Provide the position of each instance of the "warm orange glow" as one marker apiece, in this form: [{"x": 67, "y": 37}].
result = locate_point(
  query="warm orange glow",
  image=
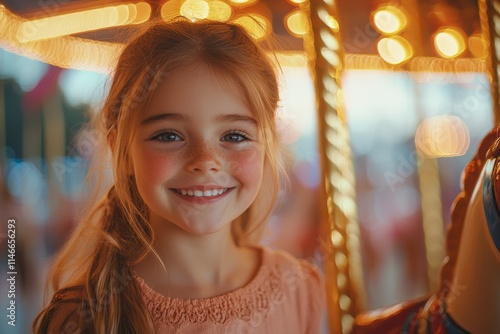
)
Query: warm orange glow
[
  {"x": 449, "y": 42},
  {"x": 85, "y": 54},
  {"x": 476, "y": 45},
  {"x": 195, "y": 9},
  {"x": 82, "y": 21},
  {"x": 297, "y": 23},
  {"x": 243, "y": 2},
  {"x": 389, "y": 20},
  {"x": 395, "y": 49},
  {"x": 64, "y": 51},
  {"x": 297, "y": 2},
  {"x": 256, "y": 25},
  {"x": 143, "y": 12},
  {"x": 219, "y": 11},
  {"x": 442, "y": 136}
]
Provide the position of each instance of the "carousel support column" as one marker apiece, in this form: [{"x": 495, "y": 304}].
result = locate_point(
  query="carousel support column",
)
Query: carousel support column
[
  {"x": 340, "y": 229},
  {"x": 432, "y": 217},
  {"x": 489, "y": 13},
  {"x": 430, "y": 202}
]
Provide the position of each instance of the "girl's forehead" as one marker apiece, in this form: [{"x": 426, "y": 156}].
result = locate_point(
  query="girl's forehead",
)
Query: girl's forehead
[
  {"x": 198, "y": 87},
  {"x": 200, "y": 76},
  {"x": 200, "y": 70}
]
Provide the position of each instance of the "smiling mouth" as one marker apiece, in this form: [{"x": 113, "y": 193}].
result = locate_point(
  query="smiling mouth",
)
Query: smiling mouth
[{"x": 201, "y": 193}]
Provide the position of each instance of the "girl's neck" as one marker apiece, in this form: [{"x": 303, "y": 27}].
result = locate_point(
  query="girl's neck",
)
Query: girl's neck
[{"x": 198, "y": 266}]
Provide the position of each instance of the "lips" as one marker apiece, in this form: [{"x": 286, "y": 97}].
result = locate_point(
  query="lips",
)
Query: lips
[{"x": 201, "y": 193}]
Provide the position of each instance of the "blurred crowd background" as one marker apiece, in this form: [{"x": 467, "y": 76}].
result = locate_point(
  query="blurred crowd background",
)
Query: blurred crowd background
[{"x": 414, "y": 123}]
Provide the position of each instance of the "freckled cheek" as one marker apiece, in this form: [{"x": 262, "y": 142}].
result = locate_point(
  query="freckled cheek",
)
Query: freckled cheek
[
  {"x": 247, "y": 166},
  {"x": 155, "y": 168}
]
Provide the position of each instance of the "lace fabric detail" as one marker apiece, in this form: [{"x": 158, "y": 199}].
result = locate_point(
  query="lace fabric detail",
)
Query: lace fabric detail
[{"x": 256, "y": 299}]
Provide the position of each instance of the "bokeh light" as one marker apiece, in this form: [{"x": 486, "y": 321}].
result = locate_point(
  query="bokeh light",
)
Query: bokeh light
[
  {"x": 219, "y": 11},
  {"x": 243, "y": 2},
  {"x": 195, "y": 9},
  {"x": 256, "y": 25},
  {"x": 82, "y": 21},
  {"x": 297, "y": 23},
  {"x": 442, "y": 136},
  {"x": 476, "y": 45},
  {"x": 449, "y": 42},
  {"x": 395, "y": 49},
  {"x": 389, "y": 20}
]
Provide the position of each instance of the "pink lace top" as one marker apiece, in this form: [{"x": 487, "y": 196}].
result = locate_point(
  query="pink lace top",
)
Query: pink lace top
[{"x": 285, "y": 296}]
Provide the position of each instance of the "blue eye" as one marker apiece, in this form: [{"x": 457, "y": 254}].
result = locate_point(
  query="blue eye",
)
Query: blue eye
[
  {"x": 235, "y": 137},
  {"x": 167, "y": 136}
]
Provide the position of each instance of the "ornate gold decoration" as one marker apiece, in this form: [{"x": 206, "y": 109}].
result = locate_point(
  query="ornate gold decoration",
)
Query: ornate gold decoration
[
  {"x": 489, "y": 13},
  {"x": 340, "y": 230}
]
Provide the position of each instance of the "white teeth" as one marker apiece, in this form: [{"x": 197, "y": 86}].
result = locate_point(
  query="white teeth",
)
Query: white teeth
[{"x": 199, "y": 193}]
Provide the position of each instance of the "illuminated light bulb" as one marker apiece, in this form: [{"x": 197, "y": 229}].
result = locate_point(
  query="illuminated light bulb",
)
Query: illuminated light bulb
[
  {"x": 219, "y": 11},
  {"x": 394, "y": 50},
  {"x": 389, "y": 20},
  {"x": 476, "y": 45},
  {"x": 449, "y": 43},
  {"x": 195, "y": 9},
  {"x": 297, "y": 2},
  {"x": 297, "y": 23},
  {"x": 442, "y": 136},
  {"x": 256, "y": 25}
]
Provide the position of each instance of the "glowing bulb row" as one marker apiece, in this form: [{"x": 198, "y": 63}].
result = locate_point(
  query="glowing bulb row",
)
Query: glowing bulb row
[
  {"x": 82, "y": 21},
  {"x": 390, "y": 20},
  {"x": 448, "y": 42},
  {"x": 257, "y": 25}
]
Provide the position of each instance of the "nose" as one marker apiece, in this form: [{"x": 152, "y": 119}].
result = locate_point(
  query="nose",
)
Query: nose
[{"x": 203, "y": 159}]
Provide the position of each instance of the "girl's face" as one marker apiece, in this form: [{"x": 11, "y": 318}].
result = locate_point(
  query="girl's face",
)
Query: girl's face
[{"x": 197, "y": 155}]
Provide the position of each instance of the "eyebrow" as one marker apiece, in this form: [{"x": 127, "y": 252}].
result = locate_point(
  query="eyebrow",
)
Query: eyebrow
[
  {"x": 236, "y": 118},
  {"x": 162, "y": 117},
  {"x": 179, "y": 117}
]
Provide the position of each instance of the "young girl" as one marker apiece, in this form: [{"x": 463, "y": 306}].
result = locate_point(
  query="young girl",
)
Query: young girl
[{"x": 190, "y": 121}]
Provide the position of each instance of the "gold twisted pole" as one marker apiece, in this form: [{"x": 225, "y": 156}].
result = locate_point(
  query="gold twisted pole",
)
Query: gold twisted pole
[
  {"x": 340, "y": 229},
  {"x": 489, "y": 14}
]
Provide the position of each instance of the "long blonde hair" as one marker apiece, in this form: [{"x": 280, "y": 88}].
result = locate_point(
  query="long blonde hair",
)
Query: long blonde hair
[{"x": 116, "y": 234}]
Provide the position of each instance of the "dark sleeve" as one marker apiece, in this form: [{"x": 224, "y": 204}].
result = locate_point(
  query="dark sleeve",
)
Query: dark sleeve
[{"x": 67, "y": 313}]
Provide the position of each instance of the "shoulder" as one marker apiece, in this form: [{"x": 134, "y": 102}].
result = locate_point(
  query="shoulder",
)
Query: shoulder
[
  {"x": 67, "y": 312},
  {"x": 292, "y": 268},
  {"x": 303, "y": 286}
]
